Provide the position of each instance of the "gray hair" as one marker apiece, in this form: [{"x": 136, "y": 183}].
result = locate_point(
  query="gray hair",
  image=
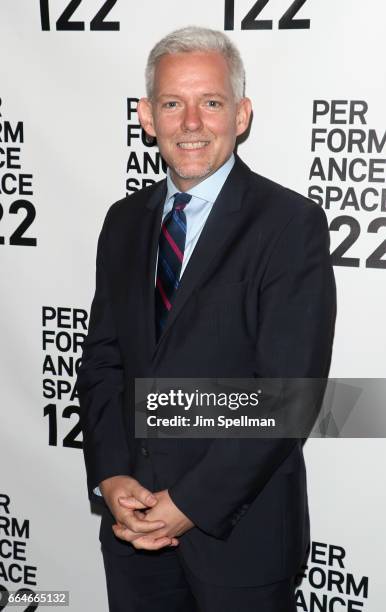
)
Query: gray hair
[{"x": 193, "y": 38}]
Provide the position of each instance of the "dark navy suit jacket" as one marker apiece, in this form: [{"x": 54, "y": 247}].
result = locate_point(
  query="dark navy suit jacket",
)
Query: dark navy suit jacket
[{"x": 257, "y": 299}]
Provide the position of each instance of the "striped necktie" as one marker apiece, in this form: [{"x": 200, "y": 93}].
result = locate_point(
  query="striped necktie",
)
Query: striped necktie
[{"x": 170, "y": 256}]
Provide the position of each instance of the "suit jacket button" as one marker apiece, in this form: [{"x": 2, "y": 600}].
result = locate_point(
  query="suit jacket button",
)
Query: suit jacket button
[{"x": 144, "y": 451}]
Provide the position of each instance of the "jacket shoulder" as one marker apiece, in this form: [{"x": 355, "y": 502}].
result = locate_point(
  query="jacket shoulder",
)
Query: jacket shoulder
[{"x": 282, "y": 202}]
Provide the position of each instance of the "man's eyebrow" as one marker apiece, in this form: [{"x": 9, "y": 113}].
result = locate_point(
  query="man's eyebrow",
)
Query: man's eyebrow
[
  {"x": 213, "y": 94},
  {"x": 168, "y": 95}
]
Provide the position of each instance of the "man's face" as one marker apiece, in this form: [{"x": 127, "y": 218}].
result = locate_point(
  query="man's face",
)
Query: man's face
[{"x": 194, "y": 115}]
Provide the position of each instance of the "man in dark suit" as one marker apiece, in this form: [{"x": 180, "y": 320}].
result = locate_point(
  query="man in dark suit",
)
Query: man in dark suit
[{"x": 214, "y": 272}]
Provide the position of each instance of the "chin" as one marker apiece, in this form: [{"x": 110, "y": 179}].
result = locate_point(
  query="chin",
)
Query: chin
[{"x": 192, "y": 171}]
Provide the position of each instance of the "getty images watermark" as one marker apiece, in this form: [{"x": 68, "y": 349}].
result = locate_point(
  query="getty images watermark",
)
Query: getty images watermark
[
  {"x": 258, "y": 408},
  {"x": 190, "y": 401}
]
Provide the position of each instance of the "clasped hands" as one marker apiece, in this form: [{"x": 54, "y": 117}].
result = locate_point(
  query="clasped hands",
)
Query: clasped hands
[{"x": 148, "y": 520}]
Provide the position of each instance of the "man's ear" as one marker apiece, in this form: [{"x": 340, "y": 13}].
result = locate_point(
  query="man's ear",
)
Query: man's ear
[
  {"x": 243, "y": 116},
  {"x": 145, "y": 114}
]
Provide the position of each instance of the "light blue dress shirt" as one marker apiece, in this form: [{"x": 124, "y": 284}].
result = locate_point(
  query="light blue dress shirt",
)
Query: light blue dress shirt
[{"x": 197, "y": 210}]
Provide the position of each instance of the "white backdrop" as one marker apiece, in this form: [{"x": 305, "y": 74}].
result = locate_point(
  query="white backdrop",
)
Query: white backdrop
[{"x": 64, "y": 151}]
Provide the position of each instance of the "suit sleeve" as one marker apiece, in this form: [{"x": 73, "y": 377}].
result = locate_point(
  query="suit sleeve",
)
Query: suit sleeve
[
  {"x": 100, "y": 386},
  {"x": 296, "y": 319}
]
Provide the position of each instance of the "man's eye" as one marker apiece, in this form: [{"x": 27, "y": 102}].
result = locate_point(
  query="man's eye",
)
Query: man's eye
[
  {"x": 214, "y": 103},
  {"x": 171, "y": 104}
]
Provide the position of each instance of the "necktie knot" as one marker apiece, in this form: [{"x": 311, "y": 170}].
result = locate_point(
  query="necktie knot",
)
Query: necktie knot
[{"x": 181, "y": 200}]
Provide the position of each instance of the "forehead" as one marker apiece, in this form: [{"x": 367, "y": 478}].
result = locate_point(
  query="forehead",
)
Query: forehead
[{"x": 191, "y": 70}]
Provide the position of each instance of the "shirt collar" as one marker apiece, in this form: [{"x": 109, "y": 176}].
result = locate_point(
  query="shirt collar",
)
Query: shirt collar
[{"x": 209, "y": 188}]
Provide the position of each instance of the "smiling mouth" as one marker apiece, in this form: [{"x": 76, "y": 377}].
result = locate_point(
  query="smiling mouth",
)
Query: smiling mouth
[{"x": 199, "y": 144}]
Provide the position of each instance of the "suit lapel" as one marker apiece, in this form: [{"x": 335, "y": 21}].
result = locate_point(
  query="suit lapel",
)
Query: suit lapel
[
  {"x": 213, "y": 240},
  {"x": 155, "y": 207}
]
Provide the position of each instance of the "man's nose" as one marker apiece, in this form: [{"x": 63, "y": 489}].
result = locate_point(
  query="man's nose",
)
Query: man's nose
[{"x": 192, "y": 118}]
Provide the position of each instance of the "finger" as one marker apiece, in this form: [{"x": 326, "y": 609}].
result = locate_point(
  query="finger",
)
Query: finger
[
  {"x": 150, "y": 543},
  {"x": 141, "y": 525},
  {"x": 143, "y": 495},
  {"x": 132, "y": 503},
  {"x": 123, "y": 533}
]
